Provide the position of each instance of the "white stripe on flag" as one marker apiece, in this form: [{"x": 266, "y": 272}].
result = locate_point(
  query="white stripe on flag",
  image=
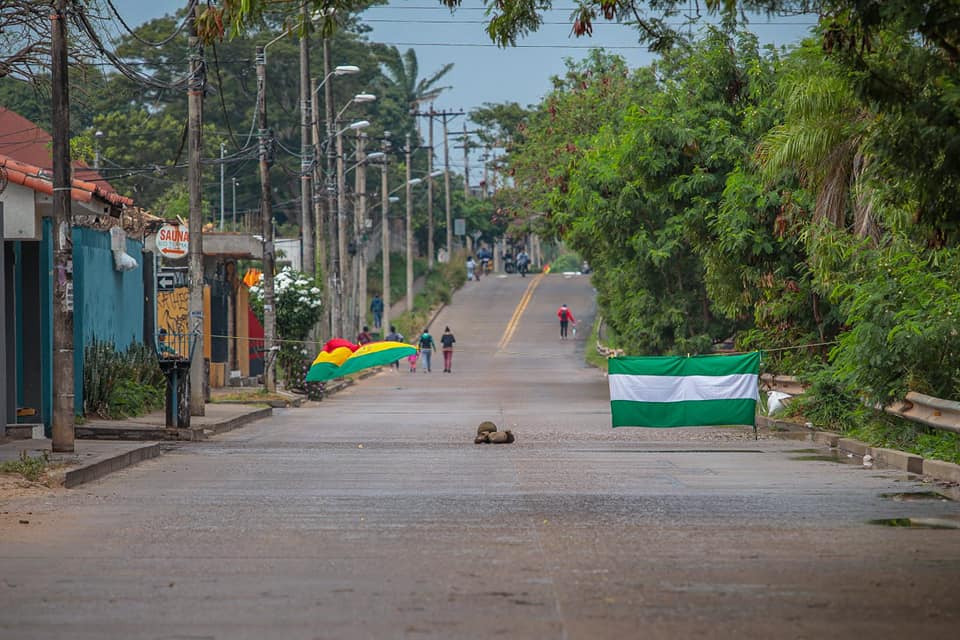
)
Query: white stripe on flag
[{"x": 683, "y": 388}]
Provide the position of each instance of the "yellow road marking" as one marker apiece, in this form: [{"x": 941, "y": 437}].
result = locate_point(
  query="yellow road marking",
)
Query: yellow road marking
[{"x": 521, "y": 306}]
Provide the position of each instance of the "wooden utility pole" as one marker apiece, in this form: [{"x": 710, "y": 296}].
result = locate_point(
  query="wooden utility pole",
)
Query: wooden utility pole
[
  {"x": 307, "y": 256},
  {"x": 430, "y": 250},
  {"x": 409, "y": 227},
  {"x": 62, "y": 424},
  {"x": 195, "y": 247},
  {"x": 266, "y": 221}
]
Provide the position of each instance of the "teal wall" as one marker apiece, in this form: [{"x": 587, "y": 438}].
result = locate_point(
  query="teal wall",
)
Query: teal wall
[{"x": 107, "y": 304}]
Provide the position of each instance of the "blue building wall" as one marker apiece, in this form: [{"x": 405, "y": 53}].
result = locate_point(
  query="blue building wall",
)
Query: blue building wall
[{"x": 107, "y": 304}]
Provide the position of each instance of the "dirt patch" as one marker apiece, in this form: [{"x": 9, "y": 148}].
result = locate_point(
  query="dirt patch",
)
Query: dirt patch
[{"x": 14, "y": 485}]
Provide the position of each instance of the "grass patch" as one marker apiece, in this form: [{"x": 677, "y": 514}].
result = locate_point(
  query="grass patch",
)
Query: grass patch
[
  {"x": 829, "y": 408},
  {"x": 30, "y": 468},
  {"x": 591, "y": 356}
]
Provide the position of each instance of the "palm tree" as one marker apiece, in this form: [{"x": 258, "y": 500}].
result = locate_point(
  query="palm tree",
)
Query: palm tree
[
  {"x": 823, "y": 139},
  {"x": 402, "y": 70}
]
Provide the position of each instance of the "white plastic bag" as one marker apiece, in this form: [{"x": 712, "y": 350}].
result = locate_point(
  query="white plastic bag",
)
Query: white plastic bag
[{"x": 776, "y": 401}]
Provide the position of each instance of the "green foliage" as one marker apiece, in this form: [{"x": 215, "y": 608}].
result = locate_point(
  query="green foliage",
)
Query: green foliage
[
  {"x": 900, "y": 304},
  {"x": 297, "y": 301},
  {"x": 29, "y": 467},
  {"x": 121, "y": 384},
  {"x": 566, "y": 262}
]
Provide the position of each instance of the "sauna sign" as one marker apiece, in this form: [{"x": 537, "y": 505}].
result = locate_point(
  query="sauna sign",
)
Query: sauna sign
[{"x": 173, "y": 241}]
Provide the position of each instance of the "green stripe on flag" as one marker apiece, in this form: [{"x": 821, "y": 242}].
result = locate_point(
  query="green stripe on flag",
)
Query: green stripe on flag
[{"x": 682, "y": 414}]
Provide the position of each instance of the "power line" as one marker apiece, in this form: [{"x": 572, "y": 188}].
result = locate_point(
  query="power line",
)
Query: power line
[{"x": 186, "y": 19}]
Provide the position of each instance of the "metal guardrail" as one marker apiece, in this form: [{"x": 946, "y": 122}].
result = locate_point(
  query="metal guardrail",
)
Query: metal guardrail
[
  {"x": 933, "y": 412},
  {"x": 786, "y": 384}
]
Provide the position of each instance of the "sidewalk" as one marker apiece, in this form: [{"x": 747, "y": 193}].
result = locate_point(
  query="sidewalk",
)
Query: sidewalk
[
  {"x": 152, "y": 426},
  {"x": 90, "y": 459},
  {"x": 105, "y": 446}
]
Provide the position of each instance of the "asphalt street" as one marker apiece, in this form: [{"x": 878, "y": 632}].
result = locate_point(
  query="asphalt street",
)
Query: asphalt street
[{"x": 373, "y": 515}]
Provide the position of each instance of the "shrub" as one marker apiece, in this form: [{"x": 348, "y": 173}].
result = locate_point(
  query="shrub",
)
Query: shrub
[{"x": 121, "y": 384}]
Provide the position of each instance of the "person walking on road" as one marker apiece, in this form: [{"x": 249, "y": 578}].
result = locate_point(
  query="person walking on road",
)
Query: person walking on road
[
  {"x": 376, "y": 308},
  {"x": 364, "y": 336},
  {"x": 471, "y": 268},
  {"x": 566, "y": 317},
  {"x": 446, "y": 341},
  {"x": 427, "y": 347},
  {"x": 395, "y": 336}
]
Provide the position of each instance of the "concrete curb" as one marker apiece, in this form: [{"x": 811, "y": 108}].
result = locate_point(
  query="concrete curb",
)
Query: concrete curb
[
  {"x": 86, "y": 473},
  {"x": 909, "y": 462},
  {"x": 239, "y": 421}
]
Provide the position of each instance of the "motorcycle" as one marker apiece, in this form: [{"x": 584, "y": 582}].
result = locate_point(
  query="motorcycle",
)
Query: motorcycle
[{"x": 508, "y": 264}]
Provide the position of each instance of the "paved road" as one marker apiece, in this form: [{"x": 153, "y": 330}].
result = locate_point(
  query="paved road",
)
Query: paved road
[{"x": 372, "y": 515}]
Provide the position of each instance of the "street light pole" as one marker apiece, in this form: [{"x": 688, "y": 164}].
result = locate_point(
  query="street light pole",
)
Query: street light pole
[
  {"x": 360, "y": 227},
  {"x": 385, "y": 234},
  {"x": 333, "y": 280}
]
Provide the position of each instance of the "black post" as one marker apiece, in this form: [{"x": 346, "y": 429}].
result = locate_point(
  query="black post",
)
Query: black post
[{"x": 3, "y": 333}]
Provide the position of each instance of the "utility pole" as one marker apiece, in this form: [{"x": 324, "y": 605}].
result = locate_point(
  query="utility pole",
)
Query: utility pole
[
  {"x": 307, "y": 258},
  {"x": 62, "y": 425},
  {"x": 223, "y": 198},
  {"x": 430, "y": 251},
  {"x": 446, "y": 186},
  {"x": 466, "y": 162},
  {"x": 320, "y": 251},
  {"x": 409, "y": 229},
  {"x": 234, "y": 180},
  {"x": 195, "y": 246},
  {"x": 486, "y": 157},
  {"x": 360, "y": 231},
  {"x": 445, "y": 116},
  {"x": 333, "y": 275},
  {"x": 266, "y": 221},
  {"x": 385, "y": 231}
]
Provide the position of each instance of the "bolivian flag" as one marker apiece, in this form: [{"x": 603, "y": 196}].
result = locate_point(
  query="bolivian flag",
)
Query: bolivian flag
[
  {"x": 334, "y": 353},
  {"x": 666, "y": 391},
  {"x": 374, "y": 354}
]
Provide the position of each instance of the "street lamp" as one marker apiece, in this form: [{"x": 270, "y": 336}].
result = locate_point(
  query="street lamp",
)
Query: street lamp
[{"x": 331, "y": 296}]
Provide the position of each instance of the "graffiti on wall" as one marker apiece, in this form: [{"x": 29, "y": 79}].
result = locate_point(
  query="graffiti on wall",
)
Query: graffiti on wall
[{"x": 172, "y": 316}]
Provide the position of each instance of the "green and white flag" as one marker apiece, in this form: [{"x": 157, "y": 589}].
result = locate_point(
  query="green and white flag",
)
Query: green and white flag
[{"x": 669, "y": 391}]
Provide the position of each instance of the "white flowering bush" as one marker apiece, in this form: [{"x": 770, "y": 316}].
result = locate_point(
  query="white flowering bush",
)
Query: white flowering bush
[{"x": 298, "y": 298}]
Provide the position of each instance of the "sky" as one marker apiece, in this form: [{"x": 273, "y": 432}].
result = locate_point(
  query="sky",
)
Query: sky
[{"x": 483, "y": 72}]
